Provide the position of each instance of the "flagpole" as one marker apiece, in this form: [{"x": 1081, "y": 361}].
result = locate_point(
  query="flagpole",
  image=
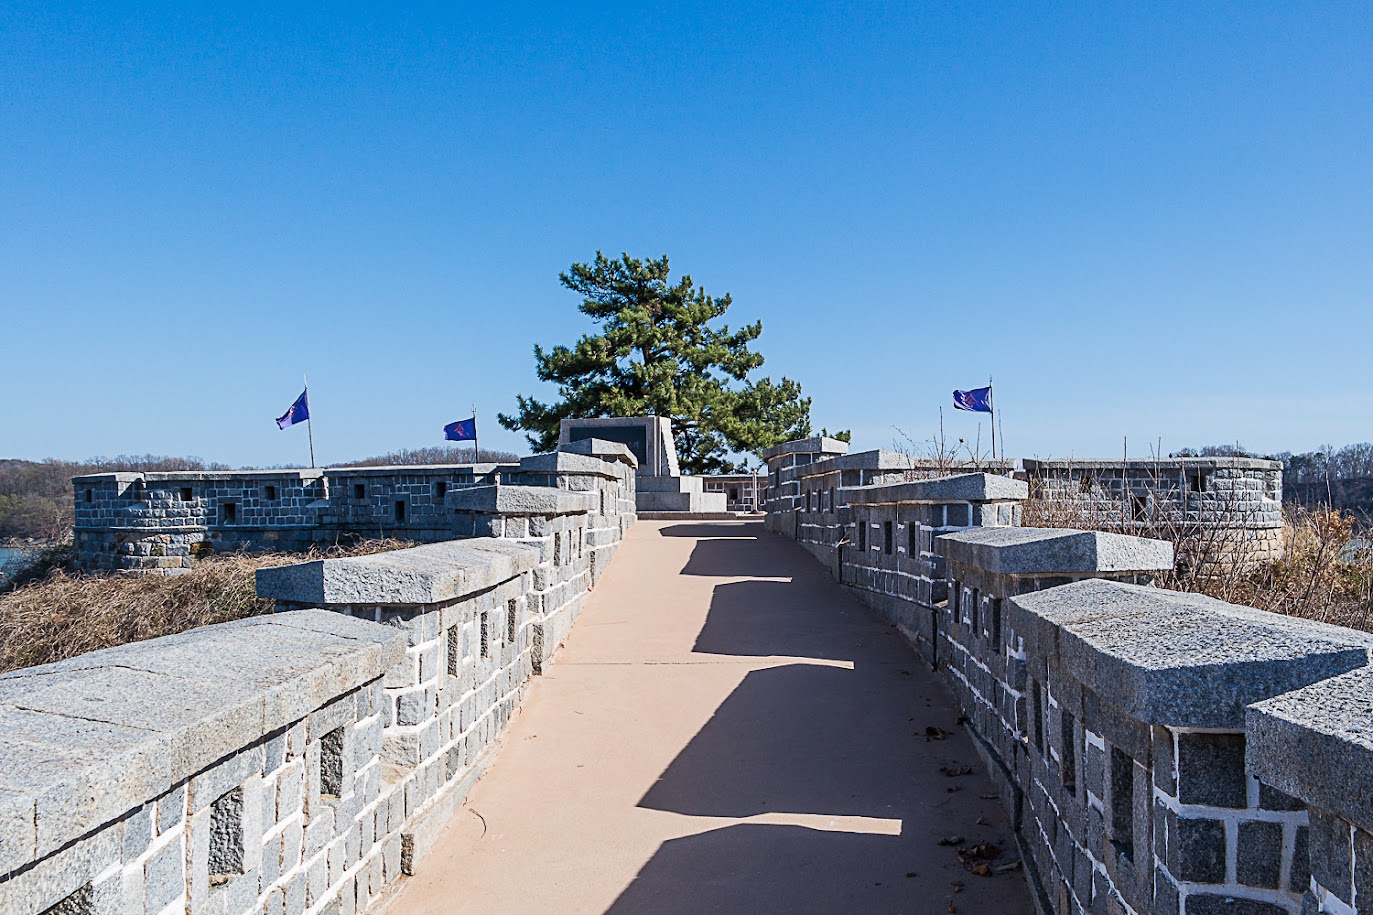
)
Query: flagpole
[
  {"x": 476, "y": 451},
  {"x": 991, "y": 402},
  {"x": 309, "y": 422}
]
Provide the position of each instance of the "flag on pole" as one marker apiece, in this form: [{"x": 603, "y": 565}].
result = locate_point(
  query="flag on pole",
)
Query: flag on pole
[
  {"x": 978, "y": 400},
  {"x": 464, "y": 430},
  {"x": 299, "y": 412}
]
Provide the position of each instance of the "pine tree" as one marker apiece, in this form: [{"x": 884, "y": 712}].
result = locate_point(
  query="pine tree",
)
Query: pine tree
[{"x": 658, "y": 353}]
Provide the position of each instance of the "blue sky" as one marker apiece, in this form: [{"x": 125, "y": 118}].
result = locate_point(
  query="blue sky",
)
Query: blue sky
[{"x": 1145, "y": 220}]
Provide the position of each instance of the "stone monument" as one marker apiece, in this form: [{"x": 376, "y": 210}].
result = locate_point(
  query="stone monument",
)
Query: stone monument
[{"x": 661, "y": 486}]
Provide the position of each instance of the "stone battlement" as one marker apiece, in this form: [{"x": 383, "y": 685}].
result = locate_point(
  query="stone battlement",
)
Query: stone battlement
[
  {"x": 307, "y": 760},
  {"x": 160, "y": 522},
  {"x": 1156, "y": 752}
]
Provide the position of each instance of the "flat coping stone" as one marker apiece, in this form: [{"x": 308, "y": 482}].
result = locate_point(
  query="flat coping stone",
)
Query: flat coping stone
[
  {"x": 963, "y": 487},
  {"x": 563, "y": 461},
  {"x": 506, "y": 499},
  {"x": 1052, "y": 551},
  {"x": 880, "y": 459},
  {"x": 1316, "y": 743},
  {"x": 86, "y": 740},
  {"x": 600, "y": 448},
  {"x": 429, "y": 574},
  {"x": 201, "y": 476},
  {"x": 1040, "y": 465},
  {"x": 816, "y": 444},
  {"x": 1175, "y": 659},
  {"x": 423, "y": 470}
]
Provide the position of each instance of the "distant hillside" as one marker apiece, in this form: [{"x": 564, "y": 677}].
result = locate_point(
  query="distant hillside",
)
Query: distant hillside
[
  {"x": 1354, "y": 496},
  {"x": 36, "y": 496}
]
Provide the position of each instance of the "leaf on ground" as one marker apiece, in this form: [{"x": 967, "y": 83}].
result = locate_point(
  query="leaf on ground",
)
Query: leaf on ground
[
  {"x": 951, "y": 840},
  {"x": 955, "y": 771},
  {"x": 934, "y": 733}
]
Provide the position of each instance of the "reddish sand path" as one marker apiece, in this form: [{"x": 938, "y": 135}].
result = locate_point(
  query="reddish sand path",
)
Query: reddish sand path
[{"x": 725, "y": 730}]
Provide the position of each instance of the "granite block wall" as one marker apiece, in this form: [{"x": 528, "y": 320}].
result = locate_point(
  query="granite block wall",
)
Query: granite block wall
[
  {"x": 1156, "y": 752},
  {"x": 159, "y": 523},
  {"x": 301, "y": 762}
]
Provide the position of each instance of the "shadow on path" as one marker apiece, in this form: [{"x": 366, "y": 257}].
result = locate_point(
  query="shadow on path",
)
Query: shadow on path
[
  {"x": 767, "y": 868},
  {"x": 746, "y": 531},
  {"x": 818, "y": 742}
]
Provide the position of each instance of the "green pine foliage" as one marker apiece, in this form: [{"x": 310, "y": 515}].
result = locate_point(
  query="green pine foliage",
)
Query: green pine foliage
[{"x": 661, "y": 350}]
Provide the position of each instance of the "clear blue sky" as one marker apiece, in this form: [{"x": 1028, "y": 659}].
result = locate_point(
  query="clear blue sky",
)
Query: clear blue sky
[{"x": 1152, "y": 220}]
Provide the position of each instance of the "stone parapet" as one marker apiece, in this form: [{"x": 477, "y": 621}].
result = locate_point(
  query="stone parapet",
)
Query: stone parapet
[
  {"x": 1113, "y": 716},
  {"x": 159, "y": 523},
  {"x": 1316, "y": 744},
  {"x": 220, "y": 770},
  {"x": 305, "y": 761}
]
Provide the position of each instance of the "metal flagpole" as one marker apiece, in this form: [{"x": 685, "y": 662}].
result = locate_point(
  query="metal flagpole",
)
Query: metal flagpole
[
  {"x": 476, "y": 451},
  {"x": 992, "y": 403},
  {"x": 309, "y": 421}
]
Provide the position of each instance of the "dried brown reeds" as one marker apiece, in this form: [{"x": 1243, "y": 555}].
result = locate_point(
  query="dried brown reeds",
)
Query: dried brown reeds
[
  {"x": 65, "y": 614},
  {"x": 1324, "y": 572}
]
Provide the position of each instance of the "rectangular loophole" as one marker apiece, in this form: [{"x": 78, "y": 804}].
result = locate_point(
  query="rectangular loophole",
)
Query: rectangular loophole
[
  {"x": 1122, "y": 804},
  {"x": 186, "y": 494},
  {"x": 359, "y": 490},
  {"x": 226, "y": 837},
  {"x": 557, "y": 549},
  {"x": 996, "y": 622},
  {"x": 512, "y": 619},
  {"x": 1037, "y": 700},
  {"x": 485, "y": 637},
  {"x": 888, "y": 540},
  {"x": 90, "y": 495},
  {"x": 331, "y": 764},
  {"x": 228, "y": 513},
  {"x": 1067, "y": 750},
  {"x": 440, "y": 489},
  {"x": 911, "y": 546},
  {"x": 269, "y": 493},
  {"x": 454, "y": 651},
  {"x": 400, "y": 510},
  {"x": 862, "y": 537}
]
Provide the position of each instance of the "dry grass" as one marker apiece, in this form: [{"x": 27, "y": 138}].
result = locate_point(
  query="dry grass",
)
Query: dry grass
[
  {"x": 65, "y": 614},
  {"x": 1325, "y": 571}
]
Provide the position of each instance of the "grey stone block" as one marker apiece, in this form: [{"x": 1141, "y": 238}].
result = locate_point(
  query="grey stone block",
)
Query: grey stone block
[
  {"x": 1211, "y": 769},
  {"x": 431, "y": 574},
  {"x": 1259, "y": 854},
  {"x": 138, "y": 832},
  {"x": 171, "y": 808},
  {"x": 164, "y": 877},
  {"x": 1330, "y": 852},
  {"x": 1199, "y": 855},
  {"x": 1330, "y": 721},
  {"x": 1183, "y": 660},
  {"x": 1053, "y": 551},
  {"x": 965, "y": 487}
]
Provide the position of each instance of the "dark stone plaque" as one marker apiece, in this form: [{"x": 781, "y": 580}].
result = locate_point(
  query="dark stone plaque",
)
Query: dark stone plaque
[{"x": 634, "y": 436}]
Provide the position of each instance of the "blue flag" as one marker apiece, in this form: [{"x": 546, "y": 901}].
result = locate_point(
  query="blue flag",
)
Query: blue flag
[
  {"x": 978, "y": 400},
  {"x": 299, "y": 412},
  {"x": 464, "y": 430}
]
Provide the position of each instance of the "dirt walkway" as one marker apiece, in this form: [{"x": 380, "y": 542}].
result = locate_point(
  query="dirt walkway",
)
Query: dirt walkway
[{"x": 725, "y": 730}]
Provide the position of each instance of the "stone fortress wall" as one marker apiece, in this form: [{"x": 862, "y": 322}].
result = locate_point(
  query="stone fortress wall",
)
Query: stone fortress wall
[
  {"x": 303, "y": 761},
  {"x": 1156, "y": 752},
  {"x": 160, "y": 522}
]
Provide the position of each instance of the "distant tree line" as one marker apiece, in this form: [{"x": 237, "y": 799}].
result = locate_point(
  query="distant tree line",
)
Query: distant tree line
[
  {"x": 1327, "y": 464},
  {"x": 36, "y": 496}
]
